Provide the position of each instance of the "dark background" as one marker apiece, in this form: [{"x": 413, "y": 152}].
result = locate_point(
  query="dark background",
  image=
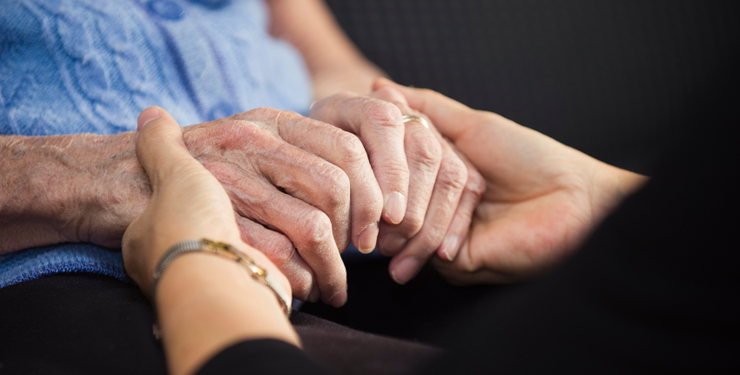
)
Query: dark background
[
  {"x": 610, "y": 78},
  {"x": 618, "y": 80}
]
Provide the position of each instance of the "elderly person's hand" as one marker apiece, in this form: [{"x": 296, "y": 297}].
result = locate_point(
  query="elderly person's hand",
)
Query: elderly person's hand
[
  {"x": 429, "y": 192},
  {"x": 541, "y": 199},
  {"x": 204, "y": 301},
  {"x": 290, "y": 179}
]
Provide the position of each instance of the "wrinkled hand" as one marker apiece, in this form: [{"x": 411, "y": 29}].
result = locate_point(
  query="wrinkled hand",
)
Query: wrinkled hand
[
  {"x": 429, "y": 192},
  {"x": 291, "y": 180},
  {"x": 541, "y": 200},
  {"x": 187, "y": 203}
]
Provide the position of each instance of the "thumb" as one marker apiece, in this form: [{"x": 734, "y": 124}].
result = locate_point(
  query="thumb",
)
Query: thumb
[
  {"x": 450, "y": 117},
  {"x": 159, "y": 144}
]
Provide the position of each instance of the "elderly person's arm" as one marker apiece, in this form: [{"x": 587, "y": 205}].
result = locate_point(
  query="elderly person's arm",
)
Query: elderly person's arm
[
  {"x": 288, "y": 176},
  {"x": 68, "y": 188}
]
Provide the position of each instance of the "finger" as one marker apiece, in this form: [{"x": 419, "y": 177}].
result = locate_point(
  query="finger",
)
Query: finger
[
  {"x": 159, "y": 144},
  {"x": 299, "y": 173},
  {"x": 380, "y": 128},
  {"x": 273, "y": 272},
  {"x": 281, "y": 252},
  {"x": 306, "y": 227},
  {"x": 449, "y": 116},
  {"x": 475, "y": 186},
  {"x": 346, "y": 151},
  {"x": 447, "y": 191},
  {"x": 424, "y": 156},
  {"x": 458, "y": 277}
]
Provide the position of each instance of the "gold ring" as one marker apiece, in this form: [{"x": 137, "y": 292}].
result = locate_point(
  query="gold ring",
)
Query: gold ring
[{"x": 409, "y": 118}]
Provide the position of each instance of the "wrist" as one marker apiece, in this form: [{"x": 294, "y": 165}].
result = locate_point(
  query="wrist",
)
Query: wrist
[
  {"x": 70, "y": 188},
  {"x": 206, "y": 303},
  {"x": 104, "y": 188},
  {"x": 354, "y": 75},
  {"x": 611, "y": 186},
  {"x": 113, "y": 191}
]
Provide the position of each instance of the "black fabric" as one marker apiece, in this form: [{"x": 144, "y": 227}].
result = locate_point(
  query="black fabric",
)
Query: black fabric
[
  {"x": 347, "y": 351},
  {"x": 258, "y": 357},
  {"x": 90, "y": 324},
  {"x": 611, "y": 78},
  {"x": 77, "y": 324},
  {"x": 420, "y": 310}
]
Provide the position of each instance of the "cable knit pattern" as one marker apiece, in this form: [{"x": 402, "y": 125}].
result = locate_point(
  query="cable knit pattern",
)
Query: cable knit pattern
[{"x": 74, "y": 66}]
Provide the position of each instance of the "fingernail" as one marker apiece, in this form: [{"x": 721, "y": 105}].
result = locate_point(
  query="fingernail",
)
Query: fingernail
[
  {"x": 314, "y": 295},
  {"x": 405, "y": 270},
  {"x": 395, "y": 207},
  {"x": 146, "y": 116},
  {"x": 340, "y": 298},
  {"x": 393, "y": 243},
  {"x": 367, "y": 238},
  {"x": 449, "y": 245}
]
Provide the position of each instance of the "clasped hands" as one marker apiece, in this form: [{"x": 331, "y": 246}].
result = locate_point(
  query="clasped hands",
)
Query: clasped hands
[
  {"x": 493, "y": 200},
  {"x": 302, "y": 189}
]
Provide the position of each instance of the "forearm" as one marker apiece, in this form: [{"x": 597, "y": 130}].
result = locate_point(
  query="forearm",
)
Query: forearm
[
  {"x": 207, "y": 303},
  {"x": 334, "y": 63},
  {"x": 71, "y": 188}
]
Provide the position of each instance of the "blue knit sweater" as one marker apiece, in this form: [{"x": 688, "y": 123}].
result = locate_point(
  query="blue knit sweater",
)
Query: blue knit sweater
[{"x": 73, "y": 66}]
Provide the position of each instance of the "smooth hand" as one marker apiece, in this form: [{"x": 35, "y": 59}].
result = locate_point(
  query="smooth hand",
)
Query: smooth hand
[{"x": 541, "y": 197}]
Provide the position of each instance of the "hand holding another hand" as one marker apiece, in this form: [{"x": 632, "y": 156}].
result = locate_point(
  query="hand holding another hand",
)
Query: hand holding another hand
[
  {"x": 429, "y": 192},
  {"x": 204, "y": 301},
  {"x": 187, "y": 202},
  {"x": 541, "y": 197},
  {"x": 291, "y": 179}
]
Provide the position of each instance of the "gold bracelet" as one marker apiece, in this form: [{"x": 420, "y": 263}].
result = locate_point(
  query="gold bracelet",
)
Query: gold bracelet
[{"x": 219, "y": 248}]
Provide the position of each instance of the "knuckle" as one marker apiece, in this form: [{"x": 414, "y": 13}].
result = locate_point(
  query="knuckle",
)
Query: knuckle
[
  {"x": 344, "y": 95},
  {"x": 476, "y": 184},
  {"x": 351, "y": 149},
  {"x": 257, "y": 113},
  {"x": 431, "y": 237},
  {"x": 453, "y": 174},
  {"x": 315, "y": 229},
  {"x": 389, "y": 93},
  {"x": 281, "y": 251},
  {"x": 335, "y": 184},
  {"x": 412, "y": 222},
  {"x": 382, "y": 113},
  {"x": 301, "y": 285},
  {"x": 424, "y": 148}
]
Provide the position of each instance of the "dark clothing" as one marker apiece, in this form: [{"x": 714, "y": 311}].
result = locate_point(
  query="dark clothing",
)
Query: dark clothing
[{"x": 92, "y": 324}]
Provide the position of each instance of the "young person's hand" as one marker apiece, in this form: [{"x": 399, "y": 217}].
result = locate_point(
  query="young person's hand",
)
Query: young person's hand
[
  {"x": 204, "y": 302},
  {"x": 541, "y": 199}
]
